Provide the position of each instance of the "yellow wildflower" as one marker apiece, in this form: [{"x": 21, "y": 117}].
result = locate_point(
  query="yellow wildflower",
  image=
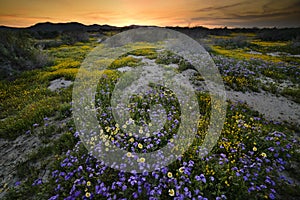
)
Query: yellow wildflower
[
  {"x": 129, "y": 154},
  {"x": 227, "y": 184},
  {"x": 181, "y": 169},
  {"x": 141, "y": 160},
  {"x": 263, "y": 155},
  {"x": 171, "y": 192},
  {"x": 87, "y": 194}
]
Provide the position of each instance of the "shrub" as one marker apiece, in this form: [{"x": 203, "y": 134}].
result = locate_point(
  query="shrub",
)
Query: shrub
[
  {"x": 232, "y": 43},
  {"x": 278, "y": 34},
  {"x": 46, "y": 34},
  {"x": 74, "y": 36},
  {"x": 17, "y": 53}
]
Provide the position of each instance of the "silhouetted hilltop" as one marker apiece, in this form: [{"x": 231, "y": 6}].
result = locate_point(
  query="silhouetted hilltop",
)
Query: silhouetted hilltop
[
  {"x": 70, "y": 26},
  {"x": 62, "y": 27},
  {"x": 48, "y": 26}
]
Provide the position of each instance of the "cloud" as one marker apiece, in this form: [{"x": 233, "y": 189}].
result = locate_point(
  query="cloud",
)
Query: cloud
[
  {"x": 246, "y": 16},
  {"x": 275, "y": 5},
  {"x": 16, "y": 16},
  {"x": 211, "y": 8},
  {"x": 260, "y": 12},
  {"x": 164, "y": 13}
]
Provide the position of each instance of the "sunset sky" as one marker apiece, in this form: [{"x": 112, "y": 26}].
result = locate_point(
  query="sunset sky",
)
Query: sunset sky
[{"x": 209, "y": 13}]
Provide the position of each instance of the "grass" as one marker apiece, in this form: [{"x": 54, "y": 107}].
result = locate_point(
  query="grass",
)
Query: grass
[
  {"x": 270, "y": 44},
  {"x": 27, "y": 100},
  {"x": 149, "y": 53},
  {"x": 34, "y": 113},
  {"x": 238, "y": 45},
  {"x": 68, "y": 73},
  {"x": 242, "y": 54},
  {"x": 124, "y": 61},
  {"x": 285, "y": 47},
  {"x": 294, "y": 93},
  {"x": 241, "y": 83},
  {"x": 256, "y": 74}
]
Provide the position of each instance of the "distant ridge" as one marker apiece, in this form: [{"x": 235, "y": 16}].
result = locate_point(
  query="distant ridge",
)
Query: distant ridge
[{"x": 70, "y": 26}]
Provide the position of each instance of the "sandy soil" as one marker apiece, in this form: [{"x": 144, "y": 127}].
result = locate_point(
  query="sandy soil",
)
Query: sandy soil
[{"x": 272, "y": 107}]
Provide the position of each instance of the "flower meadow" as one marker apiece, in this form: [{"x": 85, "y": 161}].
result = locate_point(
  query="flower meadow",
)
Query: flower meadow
[
  {"x": 247, "y": 161},
  {"x": 249, "y": 75},
  {"x": 250, "y": 160}
]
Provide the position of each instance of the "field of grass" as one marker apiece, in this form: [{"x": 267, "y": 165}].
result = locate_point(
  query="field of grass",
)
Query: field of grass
[{"x": 254, "y": 157}]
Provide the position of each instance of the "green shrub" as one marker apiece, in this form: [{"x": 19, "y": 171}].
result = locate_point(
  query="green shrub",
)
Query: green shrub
[
  {"x": 72, "y": 37},
  {"x": 278, "y": 34},
  {"x": 232, "y": 43},
  {"x": 18, "y": 53}
]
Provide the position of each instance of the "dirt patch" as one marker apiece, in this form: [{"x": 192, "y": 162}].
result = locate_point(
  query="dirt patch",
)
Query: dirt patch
[
  {"x": 276, "y": 108},
  {"x": 12, "y": 153}
]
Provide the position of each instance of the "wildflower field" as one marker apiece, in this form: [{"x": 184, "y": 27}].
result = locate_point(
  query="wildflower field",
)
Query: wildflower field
[{"x": 255, "y": 157}]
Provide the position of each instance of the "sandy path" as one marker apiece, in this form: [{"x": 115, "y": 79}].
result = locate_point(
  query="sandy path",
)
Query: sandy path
[{"x": 272, "y": 107}]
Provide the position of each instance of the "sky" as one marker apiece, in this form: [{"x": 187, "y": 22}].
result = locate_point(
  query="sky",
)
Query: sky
[{"x": 208, "y": 13}]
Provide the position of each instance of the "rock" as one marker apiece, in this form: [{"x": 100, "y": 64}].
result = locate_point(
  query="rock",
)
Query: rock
[
  {"x": 254, "y": 52},
  {"x": 59, "y": 83},
  {"x": 124, "y": 69}
]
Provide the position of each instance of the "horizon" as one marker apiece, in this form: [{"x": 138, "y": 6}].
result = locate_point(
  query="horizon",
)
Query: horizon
[
  {"x": 182, "y": 13},
  {"x": 145, "y": 25}
]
